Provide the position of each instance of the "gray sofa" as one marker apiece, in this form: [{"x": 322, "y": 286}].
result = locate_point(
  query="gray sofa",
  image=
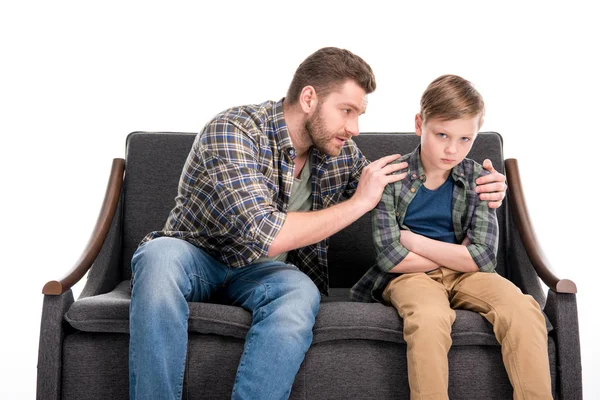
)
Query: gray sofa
[{"x": 358, "y": 351}]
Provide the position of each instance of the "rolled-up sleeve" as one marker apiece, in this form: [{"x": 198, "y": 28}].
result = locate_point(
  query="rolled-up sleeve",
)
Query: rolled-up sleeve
[
  {"x": 386, "y": 232},
  {"x": 483, "y": 234},
  {"x": 245, "y": 203}
]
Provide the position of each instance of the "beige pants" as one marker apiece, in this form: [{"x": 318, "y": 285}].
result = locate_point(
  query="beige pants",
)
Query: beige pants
[{"x": 426, "y": 302}]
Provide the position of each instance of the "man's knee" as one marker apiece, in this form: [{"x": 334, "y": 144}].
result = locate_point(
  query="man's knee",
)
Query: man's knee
[
  {"x": 307, "y": 292},
  {"x": 158, "y": 256},
  {"x": 296, "y": 298},
  {"x": 159, "y": 266}
]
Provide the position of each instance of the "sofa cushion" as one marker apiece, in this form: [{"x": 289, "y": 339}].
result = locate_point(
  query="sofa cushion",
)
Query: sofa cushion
[
  {"x": 337, "y": 319},
  {"x": 110, "y": 313}
]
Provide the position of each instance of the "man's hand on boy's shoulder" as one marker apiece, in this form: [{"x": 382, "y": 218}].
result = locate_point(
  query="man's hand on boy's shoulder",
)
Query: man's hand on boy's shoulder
[
  {"x": 375, "y": 177},
  {"x": 491, "y": 187}
]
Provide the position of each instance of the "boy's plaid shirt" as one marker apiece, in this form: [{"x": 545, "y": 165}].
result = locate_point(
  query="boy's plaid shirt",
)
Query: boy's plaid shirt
[
  {"x": 235, "y": 187},
  {"x": 470, "y": 216}
]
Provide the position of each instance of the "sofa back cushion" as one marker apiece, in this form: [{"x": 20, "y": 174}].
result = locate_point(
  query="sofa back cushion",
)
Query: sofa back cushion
[{"x": 154, "y": 162}]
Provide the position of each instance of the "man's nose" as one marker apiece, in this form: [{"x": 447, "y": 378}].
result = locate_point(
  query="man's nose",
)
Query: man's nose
[{"x": 352, "y": 127}]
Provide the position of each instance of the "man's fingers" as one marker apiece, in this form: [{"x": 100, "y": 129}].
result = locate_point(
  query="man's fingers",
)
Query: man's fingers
[
  {"x": 391, "y": 168},
  {"x": 395, "y": 177},
  {"x": 496, "y": 196},
  {"x": 494, "y": 186},
  {"x": 494, "y": 204},
  {"x": 493, "y": 177},
  {"x": 487, "y": 164},
  {"x": 380, "y": 163}
]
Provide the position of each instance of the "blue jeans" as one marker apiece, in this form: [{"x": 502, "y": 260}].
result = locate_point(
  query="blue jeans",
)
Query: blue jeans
[{"x": 170, "y": 272}]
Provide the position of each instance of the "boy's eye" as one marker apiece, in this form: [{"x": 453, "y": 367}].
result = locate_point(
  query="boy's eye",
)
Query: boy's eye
[
  {"x": 442, "y": 135},
  {"x": 465, "y": 139}
]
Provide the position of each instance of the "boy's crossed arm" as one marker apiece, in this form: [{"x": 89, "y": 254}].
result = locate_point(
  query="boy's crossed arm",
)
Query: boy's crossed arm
[{"x": 427, "y": 254}]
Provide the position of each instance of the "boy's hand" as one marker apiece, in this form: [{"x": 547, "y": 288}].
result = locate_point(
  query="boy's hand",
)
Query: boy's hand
[
  {"x": 491, "y": 187},
  {"x": 374, "y": 178}
]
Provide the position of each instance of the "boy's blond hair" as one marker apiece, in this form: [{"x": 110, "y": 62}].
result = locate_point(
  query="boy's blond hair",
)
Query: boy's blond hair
[{"x": 451, "y": 97}]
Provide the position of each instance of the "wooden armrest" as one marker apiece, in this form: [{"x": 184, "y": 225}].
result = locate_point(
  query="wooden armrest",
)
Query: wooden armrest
[
  {"x": 532, "y": 247},
  {"x": 107, "y": 212}
]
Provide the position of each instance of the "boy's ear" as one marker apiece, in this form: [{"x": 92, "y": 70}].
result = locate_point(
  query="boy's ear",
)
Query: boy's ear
[
  {"x": 418, "y": 124},
  {"x": 308, "y": 99}
]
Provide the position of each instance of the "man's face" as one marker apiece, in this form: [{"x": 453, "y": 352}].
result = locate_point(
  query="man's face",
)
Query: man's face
[
  {"x": 444, "y": 144},
  {"x": 336, "y": 118}
]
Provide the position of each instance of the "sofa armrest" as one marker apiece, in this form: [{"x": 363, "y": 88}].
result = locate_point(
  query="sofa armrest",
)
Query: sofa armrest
[
  {"x": 103, "y": 224},
  {"x": 561, "y": 310},
  {"x": 527, "y": 233},
  {"x": 52, "y": 333}
]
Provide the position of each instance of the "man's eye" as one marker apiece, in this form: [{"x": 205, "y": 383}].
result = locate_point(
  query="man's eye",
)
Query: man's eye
[{"x": 347, "y": 110}]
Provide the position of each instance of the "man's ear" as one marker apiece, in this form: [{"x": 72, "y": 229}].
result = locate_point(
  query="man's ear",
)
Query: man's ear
[
  {"x": 308, "y": 99},
  {"x": 418, "y": 124}
]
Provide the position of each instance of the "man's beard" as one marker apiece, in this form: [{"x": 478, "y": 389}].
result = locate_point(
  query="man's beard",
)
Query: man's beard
[{"x": 318, "y": 134}]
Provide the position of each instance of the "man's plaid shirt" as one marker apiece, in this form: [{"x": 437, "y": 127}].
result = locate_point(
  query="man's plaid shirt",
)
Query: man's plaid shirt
[
  {"x": 236, "y": 183},
  {"x": 470, "y": 216}
]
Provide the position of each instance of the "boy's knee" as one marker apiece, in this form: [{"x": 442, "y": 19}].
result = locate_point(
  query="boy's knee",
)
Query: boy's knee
[
  {"x": 433, "y": 317},
  {"x": 523, "y": 310}
]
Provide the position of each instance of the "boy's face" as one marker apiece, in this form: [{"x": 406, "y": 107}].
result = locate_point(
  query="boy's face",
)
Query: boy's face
[
  {"x": 335, "y": 120},
  {"x": 444, "y": 144}
]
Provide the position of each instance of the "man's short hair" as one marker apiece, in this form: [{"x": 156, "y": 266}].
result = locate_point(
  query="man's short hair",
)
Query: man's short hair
[
  {"x": 451, "y": 97},
  {"x": 327, "y": 69}
]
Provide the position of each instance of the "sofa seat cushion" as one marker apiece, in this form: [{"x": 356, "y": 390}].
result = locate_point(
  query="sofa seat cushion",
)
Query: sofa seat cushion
[{"x": 336, "y": 319}]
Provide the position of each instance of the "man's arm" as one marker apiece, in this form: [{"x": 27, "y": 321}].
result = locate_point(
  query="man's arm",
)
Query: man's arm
[
  {"x": 304, "y": 228},
  {"x": 492, "y": 187}
]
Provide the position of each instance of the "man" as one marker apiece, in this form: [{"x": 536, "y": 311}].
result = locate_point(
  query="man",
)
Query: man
[{"x": 262, "y": 189}]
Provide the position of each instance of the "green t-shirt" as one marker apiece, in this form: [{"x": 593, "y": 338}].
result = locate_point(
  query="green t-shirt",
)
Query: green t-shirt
[{"x": 300, "y": 200}]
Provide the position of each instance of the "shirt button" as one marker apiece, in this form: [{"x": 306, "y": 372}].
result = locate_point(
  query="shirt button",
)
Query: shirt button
[
  {"x": 289, "y": 174},
  {"x": 412, "y": 190},
  {"x": 292, "y": 152},
  {"x": 414, "y": 176}
]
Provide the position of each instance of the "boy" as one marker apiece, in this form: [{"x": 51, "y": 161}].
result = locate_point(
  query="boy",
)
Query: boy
[{"x": 436, "y": 245}]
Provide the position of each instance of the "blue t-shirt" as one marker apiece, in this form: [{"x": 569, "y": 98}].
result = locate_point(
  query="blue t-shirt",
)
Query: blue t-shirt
[{"x": 430, "y": 212}]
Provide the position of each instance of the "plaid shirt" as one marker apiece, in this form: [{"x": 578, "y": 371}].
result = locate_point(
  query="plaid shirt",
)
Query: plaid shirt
[
  {"x": 470, "y": 216},
  {"x": 236, "y": 183}
]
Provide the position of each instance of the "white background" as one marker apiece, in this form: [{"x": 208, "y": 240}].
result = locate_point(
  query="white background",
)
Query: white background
[{"x": 77, "y": 77}]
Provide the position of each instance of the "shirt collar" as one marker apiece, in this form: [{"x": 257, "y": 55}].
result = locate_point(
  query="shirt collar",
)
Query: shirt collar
[
  {"x": 415, "y": 167},
  {"x": 282, "y": 135}
]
